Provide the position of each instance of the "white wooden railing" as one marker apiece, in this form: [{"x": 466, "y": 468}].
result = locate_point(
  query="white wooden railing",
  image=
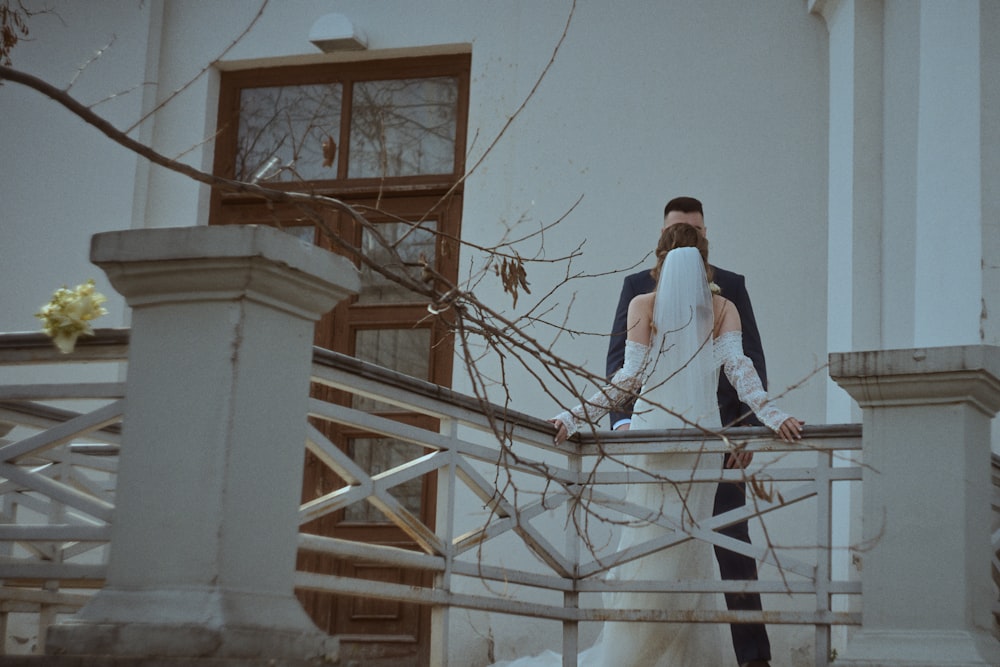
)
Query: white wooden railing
[
  {"x": 552, "y": 486},
  {"x": 59, "y": 450},
  {"x": 60, "y": 463}
]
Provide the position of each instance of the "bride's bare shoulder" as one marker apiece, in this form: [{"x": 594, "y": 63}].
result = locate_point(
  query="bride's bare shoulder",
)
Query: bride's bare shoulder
[
  {"x": 642, "y": 302},
  {"x": 720, "y": 303},
  {"x": 727, "y": 318}
]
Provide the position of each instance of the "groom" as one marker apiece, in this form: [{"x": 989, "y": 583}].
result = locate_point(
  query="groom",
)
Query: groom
[{"x": 753, "y": 649}]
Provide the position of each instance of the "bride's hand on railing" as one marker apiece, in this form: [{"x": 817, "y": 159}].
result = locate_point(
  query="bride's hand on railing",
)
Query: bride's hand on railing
[
  {"x": 791, "y": 429},
  {"x": 561, "y": 432}
]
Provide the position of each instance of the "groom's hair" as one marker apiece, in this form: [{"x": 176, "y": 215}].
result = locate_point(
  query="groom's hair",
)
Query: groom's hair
[{"x": 684, "y": 205}]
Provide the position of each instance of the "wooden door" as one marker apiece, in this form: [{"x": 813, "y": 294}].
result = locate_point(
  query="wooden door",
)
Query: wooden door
[
  {"x": 389, "y": 137},
  {"x": 387, "y": 326}
]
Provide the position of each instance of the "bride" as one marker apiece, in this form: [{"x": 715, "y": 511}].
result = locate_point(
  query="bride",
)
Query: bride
[{"x": 678, "y": 336}]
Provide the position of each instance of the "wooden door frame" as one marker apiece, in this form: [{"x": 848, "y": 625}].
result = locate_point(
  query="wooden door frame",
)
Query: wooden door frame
[{"x": 411, "y": 198}]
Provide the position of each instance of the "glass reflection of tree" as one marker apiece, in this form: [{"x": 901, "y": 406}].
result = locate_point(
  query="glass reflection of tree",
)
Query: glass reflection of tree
[
  {"x": 289, "y": 123},
  {"x": 403, "y": 127},
  {"x": 413, "y": 246},
  {"x": 403, "y": 350}
]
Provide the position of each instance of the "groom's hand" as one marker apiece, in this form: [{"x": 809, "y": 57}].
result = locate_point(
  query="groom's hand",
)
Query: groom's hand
[{"x": 740, "y": 459}]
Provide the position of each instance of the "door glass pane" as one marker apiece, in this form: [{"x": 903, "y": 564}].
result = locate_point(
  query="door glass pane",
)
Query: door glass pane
[
  {"x": 412, "y": 244},
  {"x": 285, "y": 132},
  {"x": 405, "y": 350},
  {"x": 376, "y": 455},
  {"x": 403, "y": 127}
]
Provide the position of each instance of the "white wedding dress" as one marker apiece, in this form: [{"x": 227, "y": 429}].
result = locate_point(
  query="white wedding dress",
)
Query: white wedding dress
[{"x": 678, "y": 376}]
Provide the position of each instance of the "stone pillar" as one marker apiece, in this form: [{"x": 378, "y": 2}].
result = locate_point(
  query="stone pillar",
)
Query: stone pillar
[
  {"x": 203, "y": 543},
  {"x": 926, "y": 552}
]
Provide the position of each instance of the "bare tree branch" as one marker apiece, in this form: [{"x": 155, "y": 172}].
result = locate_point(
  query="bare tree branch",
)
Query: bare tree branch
[{"x": 190, "y": 82}]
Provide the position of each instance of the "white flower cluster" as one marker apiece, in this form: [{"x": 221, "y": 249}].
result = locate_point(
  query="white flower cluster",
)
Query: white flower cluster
[{"x": 68, "y": 314}]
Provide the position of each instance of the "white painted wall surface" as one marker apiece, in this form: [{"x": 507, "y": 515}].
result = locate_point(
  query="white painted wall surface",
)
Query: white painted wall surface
[
  {"x": 63, "y": 180},
  {"x": 724, "y": 100},
  {"x": 949, "y": 186}
]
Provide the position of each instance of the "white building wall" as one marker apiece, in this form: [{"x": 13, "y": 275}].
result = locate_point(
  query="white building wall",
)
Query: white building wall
[
  {"x": 909, "y": 135},
  {"x": 899, "y": 176},
  {"x": 989, "y": 82},
  {"x": 913, "y": 218},
  {"x": 949, "y": 178},
  {"x": 854, "y": 210},
  {"x": 62, "y": 179},
  {"x": 724, "y": 100}
]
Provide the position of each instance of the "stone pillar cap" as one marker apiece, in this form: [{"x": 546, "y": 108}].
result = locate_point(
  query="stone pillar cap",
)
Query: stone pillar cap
[
  {"x": 221, "y": 241},
  {"x": 226, "y": 262},
  {"x": 929, "y": 375}
]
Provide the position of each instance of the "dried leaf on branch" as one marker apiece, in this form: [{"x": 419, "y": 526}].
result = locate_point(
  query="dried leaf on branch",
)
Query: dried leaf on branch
[{"x": 513, "y": 276}]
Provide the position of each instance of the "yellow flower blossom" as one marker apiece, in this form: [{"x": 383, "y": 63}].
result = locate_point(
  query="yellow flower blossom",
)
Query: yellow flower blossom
[{"x": 68, "y": 314}]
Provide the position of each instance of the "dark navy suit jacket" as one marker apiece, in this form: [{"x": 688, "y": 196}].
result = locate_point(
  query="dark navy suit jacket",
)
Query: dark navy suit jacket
[{"x": 733, "y": 286}]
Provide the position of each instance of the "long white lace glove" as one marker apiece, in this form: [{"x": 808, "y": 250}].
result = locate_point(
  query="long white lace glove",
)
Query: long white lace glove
[
  {"x": 739, "y": 369},
  {"x": 624, "y": 385}
]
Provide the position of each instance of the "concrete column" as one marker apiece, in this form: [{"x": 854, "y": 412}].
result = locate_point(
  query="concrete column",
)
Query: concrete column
[
  {"x": 950, "y": 187},
  {"x": 926, "y": 552},
  {"x": 206, "y": 513}
]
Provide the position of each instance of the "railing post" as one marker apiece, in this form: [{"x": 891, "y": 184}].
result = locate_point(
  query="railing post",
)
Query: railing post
[
  {"x": 571, "y": 598},
  {"x": 926, "y": 504},
  {"x": 203, "y": 542},
  {"x": 8, "y": 515},
  {"x": 440, "y": 653}
]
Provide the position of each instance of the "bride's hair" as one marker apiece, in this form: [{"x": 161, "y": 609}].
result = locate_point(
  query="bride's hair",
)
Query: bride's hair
[{"x": 681, "y": 235}]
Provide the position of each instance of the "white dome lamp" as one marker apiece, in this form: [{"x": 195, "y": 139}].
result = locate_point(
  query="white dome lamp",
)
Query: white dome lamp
[{"x": 335, "y": 32}]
